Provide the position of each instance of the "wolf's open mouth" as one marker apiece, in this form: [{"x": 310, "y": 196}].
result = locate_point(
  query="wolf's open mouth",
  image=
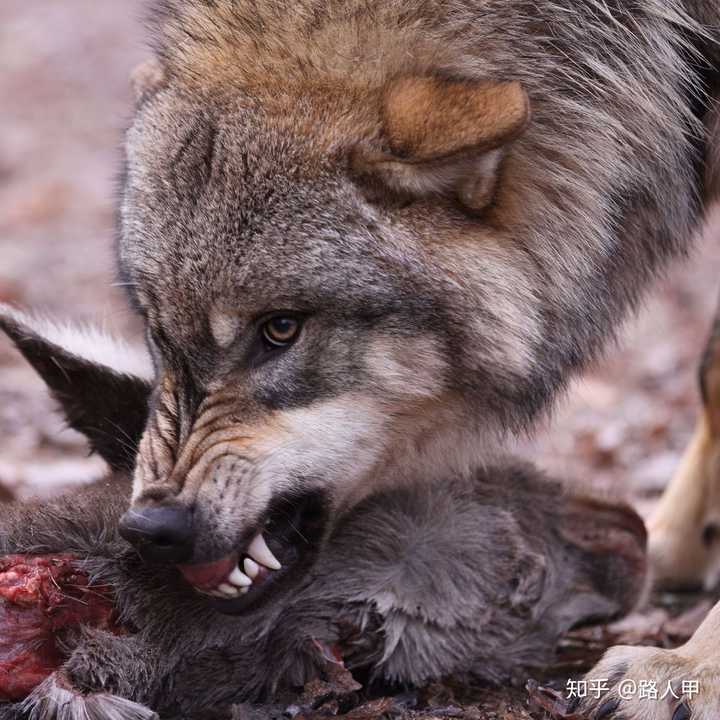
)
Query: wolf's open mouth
[
  {"x": 234, "y": 574},
  {"x": 278, "y": 554}
]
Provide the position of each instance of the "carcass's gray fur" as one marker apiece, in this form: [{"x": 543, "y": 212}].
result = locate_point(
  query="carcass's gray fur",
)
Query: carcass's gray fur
[{"x": 476, "y": 577}]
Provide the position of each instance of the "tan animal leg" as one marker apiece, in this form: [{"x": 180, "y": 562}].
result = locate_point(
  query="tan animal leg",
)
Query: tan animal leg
[
  {"x": 684, "y": 533},
  {"x": 642, "y": 683}
]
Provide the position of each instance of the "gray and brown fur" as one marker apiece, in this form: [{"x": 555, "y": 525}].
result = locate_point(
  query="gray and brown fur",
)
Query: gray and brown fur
[
  {"x": 462, "y": 199},
  {"x": 452, "y": 275}
]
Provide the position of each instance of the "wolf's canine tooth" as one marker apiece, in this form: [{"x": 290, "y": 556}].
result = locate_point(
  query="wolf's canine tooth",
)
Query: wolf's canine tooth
[
  {"x": 260, "y": 552},
  {"x": 239, "y": 578}
]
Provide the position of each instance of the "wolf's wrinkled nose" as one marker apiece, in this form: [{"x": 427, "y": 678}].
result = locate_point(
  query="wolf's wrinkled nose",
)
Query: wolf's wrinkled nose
[{"x": 160, "y": 533}]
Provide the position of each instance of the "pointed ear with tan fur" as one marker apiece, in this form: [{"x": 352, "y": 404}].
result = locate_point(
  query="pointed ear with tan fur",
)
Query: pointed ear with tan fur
[
  {"x": 445, "y": 138},
  {"x": 147, "y": 78}
]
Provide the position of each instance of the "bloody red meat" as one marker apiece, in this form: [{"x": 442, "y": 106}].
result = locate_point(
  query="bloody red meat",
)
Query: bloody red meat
[{"x": 41, "y": 596}]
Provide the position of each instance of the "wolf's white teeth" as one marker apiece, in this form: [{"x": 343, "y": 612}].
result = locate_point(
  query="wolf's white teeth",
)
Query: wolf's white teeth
[
  {"x": 228, "y": 590},
  {"x": 238, "y": 582},
  {"x": 251, "y": 568},
  {"x": 239, "y": 578},
  {"x": 260, "y": 552}
]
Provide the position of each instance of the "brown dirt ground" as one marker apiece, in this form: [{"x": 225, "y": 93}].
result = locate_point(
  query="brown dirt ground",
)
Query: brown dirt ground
[{"x": 65, "y": 100}]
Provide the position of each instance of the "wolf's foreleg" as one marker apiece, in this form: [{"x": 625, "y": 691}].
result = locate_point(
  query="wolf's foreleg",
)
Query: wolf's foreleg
[
  {"x": 655, "y": 684},
  {"x": 684, "y": 532}
]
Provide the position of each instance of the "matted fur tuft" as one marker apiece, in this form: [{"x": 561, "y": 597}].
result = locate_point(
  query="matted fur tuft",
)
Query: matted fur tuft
[{"x": 55, "y": 699}]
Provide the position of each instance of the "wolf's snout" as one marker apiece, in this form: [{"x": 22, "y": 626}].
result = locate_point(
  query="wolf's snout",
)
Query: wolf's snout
[{"x": 160, "y": 533}]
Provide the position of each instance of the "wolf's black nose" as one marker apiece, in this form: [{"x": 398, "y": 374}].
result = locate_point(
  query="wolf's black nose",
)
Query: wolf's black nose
[{"x": 160, "y": 533}]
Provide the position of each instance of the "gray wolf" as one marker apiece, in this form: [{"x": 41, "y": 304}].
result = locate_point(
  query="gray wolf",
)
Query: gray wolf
[{"x": 369, "y": 239}]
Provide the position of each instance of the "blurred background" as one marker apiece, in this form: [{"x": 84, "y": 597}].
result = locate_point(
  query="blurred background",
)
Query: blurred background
[{"x": 64, "y": 71}]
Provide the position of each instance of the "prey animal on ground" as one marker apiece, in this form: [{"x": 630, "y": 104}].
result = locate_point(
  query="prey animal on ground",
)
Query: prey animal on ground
[{"x": 475, "y": 576}]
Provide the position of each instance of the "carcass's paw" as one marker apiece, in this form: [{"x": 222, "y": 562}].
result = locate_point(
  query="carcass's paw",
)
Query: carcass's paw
[
  {"x": 641, "y": 683},
  {"x": 56, "y": 699}
]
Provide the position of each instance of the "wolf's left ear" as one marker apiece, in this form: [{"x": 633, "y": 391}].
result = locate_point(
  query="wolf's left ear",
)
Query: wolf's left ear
[
  {"x": 147, "y": 78},
  {"x": 102, "y": 385},
  {"x": 445, "y": 138}
]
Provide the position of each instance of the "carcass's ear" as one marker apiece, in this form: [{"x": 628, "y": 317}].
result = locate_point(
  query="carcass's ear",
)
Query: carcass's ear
[
  {"x": 445, "y": 137},
  {"x": 612, "y": 541},
  {"x": 101, "y": 384},
  {"x": 146, "y": 79}
]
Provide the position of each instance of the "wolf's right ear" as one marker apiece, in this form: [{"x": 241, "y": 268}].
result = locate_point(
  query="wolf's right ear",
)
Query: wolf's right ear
[
  {"x": 147, "y": 78},
  {"x": 102, "y": 386},
  {"x": 444, "y": 137}
]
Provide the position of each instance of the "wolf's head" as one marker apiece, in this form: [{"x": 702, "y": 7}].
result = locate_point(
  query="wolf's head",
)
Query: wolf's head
[
  {"x": 357, "y": 261},
  {"x": 293, "y": 251}
]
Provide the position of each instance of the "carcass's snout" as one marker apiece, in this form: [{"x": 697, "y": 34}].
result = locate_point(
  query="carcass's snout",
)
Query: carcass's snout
[{"x": 160, "y": 533}]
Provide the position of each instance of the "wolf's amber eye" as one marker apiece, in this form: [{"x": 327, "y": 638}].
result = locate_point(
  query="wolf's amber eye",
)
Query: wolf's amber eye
[{"x": 281, "y": 331}]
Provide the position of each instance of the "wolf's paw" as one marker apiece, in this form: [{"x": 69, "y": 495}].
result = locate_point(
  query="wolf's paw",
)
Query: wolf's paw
[
  {"x": 56, "y": 699},
  {"x": 641, "y": 683}
]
